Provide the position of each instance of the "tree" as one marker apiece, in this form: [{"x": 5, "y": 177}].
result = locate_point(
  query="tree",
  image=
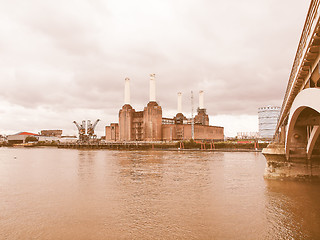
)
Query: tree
[{"x": 31, "y": 139}]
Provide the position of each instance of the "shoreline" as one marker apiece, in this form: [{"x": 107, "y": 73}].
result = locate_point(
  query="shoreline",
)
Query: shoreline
[
  {"x": 149, "y": 148},
  {"x": 222, "y": 146}
]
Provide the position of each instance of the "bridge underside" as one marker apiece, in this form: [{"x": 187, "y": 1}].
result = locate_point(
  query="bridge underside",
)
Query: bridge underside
[
  {"x": 297, "y": 153},
  {"x": 302, "y": 135},
  {"x": 303, "y": 139}
]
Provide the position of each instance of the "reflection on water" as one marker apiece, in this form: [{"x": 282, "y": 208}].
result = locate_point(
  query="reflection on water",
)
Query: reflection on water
[
  {"x": 86, "y": 160},
  {"x": 294, "y": 209},
  {"x": 74, "y": 194}
]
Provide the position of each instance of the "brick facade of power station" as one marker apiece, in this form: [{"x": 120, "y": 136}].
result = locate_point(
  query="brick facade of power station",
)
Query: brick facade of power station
[
  {"x": 150, "y": 125},
  {"x": 112, "y": 132}
]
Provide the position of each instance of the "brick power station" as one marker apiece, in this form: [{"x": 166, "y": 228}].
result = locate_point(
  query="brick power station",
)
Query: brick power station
[{"x": 149, "y": 125}]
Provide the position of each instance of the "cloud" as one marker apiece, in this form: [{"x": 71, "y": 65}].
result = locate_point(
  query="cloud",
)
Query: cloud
[
  {"x": 236, "y": 123},
  {"x": 61, "y": 57}
]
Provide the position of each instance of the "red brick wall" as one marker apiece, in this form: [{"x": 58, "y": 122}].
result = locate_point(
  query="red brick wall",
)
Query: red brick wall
[
  {"x": 112, "y": 132},
  {"x": 169, "y": 132},
  {"x": 125, "y": 122},
  {"x": 208, "y": 132},
  {"x": 183, "y": 132},
  {"x": 152, "y": 122}
]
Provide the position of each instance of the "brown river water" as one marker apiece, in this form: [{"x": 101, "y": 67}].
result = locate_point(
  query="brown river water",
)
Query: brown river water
[{"x": 49, "y": 193}]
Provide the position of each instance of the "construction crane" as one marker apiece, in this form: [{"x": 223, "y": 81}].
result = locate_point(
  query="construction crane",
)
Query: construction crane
[
  {"x": 82, "y": 130},
  {"x": 86, "y": 131},
  {"x": 90, "y": 128}
]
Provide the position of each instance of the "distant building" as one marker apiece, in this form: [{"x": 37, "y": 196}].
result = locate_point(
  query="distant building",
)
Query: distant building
[
  {"x": 268, "y": 118},
  {"x": 247, "y": 135},
  {"x": 20, "y": 137},
  {"x": 68, "y": 139},
  {"x": 112, "y": 132},
  {"x": 149, "y": 125},
  {"x": 51, "y": 133},
  {"x": 48, "y": 139}
]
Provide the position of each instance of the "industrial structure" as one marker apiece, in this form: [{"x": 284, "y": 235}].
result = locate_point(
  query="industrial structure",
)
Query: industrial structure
[
  {"x": 150, "y": 125},
  {"x": 86, "y": 130},
  {"x": 268, "y": 119}
]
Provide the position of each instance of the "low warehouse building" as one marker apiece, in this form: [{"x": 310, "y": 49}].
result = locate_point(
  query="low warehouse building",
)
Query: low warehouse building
[{"x": 20, "y": 137}]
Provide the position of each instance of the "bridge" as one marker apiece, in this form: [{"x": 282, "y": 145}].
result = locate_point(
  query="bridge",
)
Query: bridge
[{"x": 295, "y": 152}]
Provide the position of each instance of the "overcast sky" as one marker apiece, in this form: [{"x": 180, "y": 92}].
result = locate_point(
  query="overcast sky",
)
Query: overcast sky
[{"x": 62, "y": 61}]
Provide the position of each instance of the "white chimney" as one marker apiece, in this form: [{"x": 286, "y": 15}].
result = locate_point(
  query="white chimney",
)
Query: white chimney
[
  {"x": 201, "y": 104},
  {"x": 179, "y": 102},
  {"x": 152, "y": 93},
  {"x": 127, "y": 91}
]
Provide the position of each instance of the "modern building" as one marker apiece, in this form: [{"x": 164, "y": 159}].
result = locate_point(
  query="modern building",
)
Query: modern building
[
  {"x": 20, "y": 137},
  {"x": 268, "y": 118},
  {"x": 150, "y": 125}
]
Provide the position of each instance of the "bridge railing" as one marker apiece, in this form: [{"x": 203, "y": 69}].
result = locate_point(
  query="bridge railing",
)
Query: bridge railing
[{"x": 309, "y": 26}]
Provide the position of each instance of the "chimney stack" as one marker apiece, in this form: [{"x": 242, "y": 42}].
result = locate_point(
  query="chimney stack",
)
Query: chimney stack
[
  {"x": 152, "y": 93},
  {"x": 179, "y": 102},
  {"x": 201, "y": 104},
  {"x": 127, "y": 91}
]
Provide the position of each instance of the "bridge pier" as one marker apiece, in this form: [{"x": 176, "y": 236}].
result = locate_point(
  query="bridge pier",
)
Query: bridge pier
[{"x": 298, "y": 168}]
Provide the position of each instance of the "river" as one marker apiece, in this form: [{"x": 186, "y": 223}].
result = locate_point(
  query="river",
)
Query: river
[{"x": 49, "y": 193}]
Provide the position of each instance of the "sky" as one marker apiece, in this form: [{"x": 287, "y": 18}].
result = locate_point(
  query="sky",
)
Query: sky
[{"x": 62, "y": 61}]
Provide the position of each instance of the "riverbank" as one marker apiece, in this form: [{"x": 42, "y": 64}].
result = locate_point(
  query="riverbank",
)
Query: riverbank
[
  {"x": 227, "y": 146},
  {"x": 172, "y": 146}
]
